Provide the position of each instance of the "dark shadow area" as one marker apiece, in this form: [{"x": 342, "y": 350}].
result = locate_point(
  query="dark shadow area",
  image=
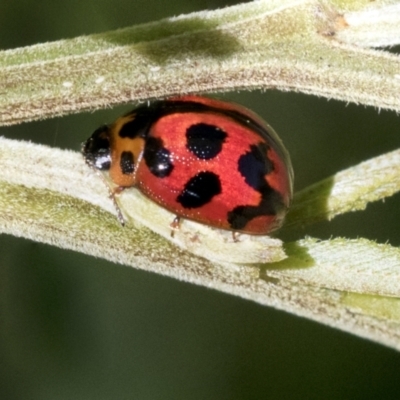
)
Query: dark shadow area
[
  {"x": 314, "y": 199},
  {"x": 189, "y": 36},
  {"x": 394, "y": 49},
  {"x": 297, "y": 258}
]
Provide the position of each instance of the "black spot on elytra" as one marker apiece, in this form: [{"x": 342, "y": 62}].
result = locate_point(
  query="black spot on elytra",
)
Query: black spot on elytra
[
  {"x": 199, "y": 190},
  {"x": 157, "y": 157},
  {"x": 127, "y": 163},
  {"x": 254, "y": 165},
  {"x": 271, "y": 204},
  {"x": 205, "y": 141}
]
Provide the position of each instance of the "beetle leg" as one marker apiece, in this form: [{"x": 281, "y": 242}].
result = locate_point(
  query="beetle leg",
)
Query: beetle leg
[
  {"x": 175, "y": 225},
  {"x": 235, "y": 236},
  {"x": 112, "y": 194}
]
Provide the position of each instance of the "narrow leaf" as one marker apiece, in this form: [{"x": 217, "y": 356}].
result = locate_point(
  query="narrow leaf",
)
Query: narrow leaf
[
  {"x": 348, "y": 284},
  {"x": 287, "y": 45}
]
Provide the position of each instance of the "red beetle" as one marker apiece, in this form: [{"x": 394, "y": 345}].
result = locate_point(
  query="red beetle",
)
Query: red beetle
[{"x": 206, "y": 160}]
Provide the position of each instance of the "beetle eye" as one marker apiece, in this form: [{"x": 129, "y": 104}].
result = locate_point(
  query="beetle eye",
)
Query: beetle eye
[{"x": 96, "y": 149}]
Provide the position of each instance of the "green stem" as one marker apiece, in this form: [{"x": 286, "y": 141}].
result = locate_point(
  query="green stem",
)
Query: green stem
[{"x": 288, "y": 45}]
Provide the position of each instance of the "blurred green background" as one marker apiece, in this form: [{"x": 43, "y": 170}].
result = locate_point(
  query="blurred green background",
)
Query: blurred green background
[{"x": 74, "y": 327}]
